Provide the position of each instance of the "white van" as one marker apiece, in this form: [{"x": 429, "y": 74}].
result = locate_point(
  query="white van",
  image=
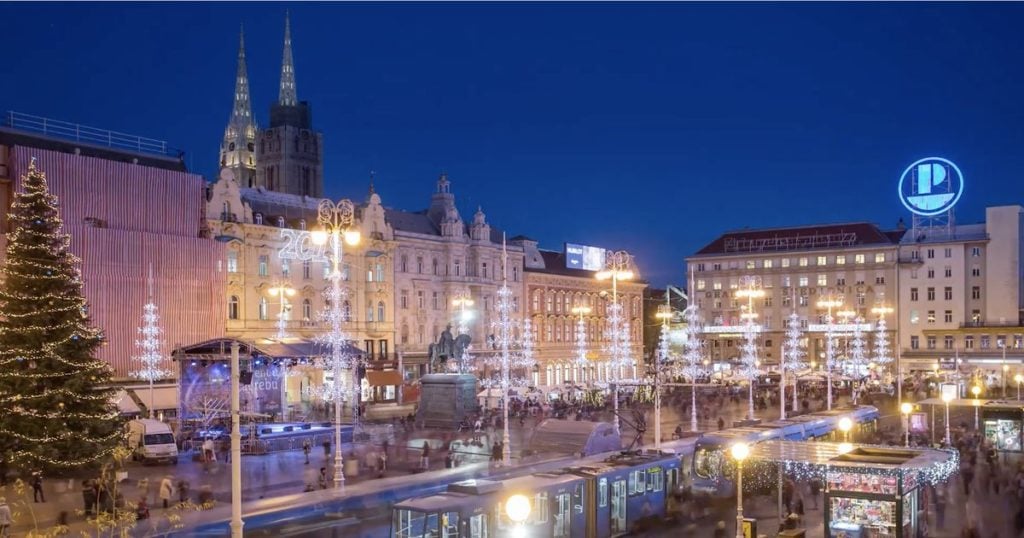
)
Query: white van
[{"x": 151, "y": 440}]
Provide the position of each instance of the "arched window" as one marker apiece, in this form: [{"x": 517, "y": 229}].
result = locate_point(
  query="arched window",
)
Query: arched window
[
  {"x": 379, "y": 270},
  {"x": 535, "y": 307},
  {"x": 233, "y": 307},
  {"x": 346, "y": 311},
  {"x": 405, "y": 263},
  {"x": 263, "y": 308},
  {"x": 307, "y": 310},
  {"x": 258, "y": 218},
  {"x": 437, "y": 271},
  {"x": 380, "y": 311}
]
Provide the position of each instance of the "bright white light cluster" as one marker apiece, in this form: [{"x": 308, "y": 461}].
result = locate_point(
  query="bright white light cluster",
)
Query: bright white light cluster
[{"x": 151, "y": 360}]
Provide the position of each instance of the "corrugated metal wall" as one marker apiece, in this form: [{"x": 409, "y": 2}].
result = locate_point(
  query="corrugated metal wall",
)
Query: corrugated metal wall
[{"x": 149, "y": 216}]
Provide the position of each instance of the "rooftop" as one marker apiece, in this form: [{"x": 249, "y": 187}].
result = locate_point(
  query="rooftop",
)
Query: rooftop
[
  {"x": 799, "y": 238},
  {"x": 864, "y": 458}
]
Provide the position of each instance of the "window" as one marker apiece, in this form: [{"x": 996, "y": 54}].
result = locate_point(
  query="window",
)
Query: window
[
  {"x": 280, "y": 222},
  {"x": 346, "y": 272},
  {"x": 701, "y": 284},
  {"x": 483, "y": 269},
  {"x": 879, "y": 257},
  {"x": 975, "y": 316},
  {"x": 858, "y": 258},
  {"x": 975, "y": 292},
  {"x": 233, "y": 307},
  {"x": 821, "y": 260},
  {"x": 948, "y": 316},
  {"x": 767, "y": 301},
  {"x": 803, "y": 300},
  {"x": 785, "y": 262},
  {"x": 306, "y": 265},
  {"x": 931, "y": 316},
  {"x": 458, "y": 267},
  {"x": 975, "y": 252},
  {"x": 421, "y": 301},
  {"x": 637, "y": 484},
  {"x": 380, "y": 311},
  {"x": 716, "y": 285},
  {"x": 369, "y": 316},
  {"x": 700, "y": 267},
  {"x": 264, "y": 265},
  {"x": 915, "y": 342},
  {"x": 549, "y": 305},
  {"x": 419, "y": 264},
  {"x": 404, "y": 263},
  {"x": 931, "y": 294},
  {"x": 515, "y": 273},
  {"x": 1018, "y": 340},
  {"x": 968, "y": 342},
  {"x": 913, "y": 294},
  {"x": 786, "y": 281},
  {"x": 915, "y": 255},
  {"x": 803, "y": 262},
  {"x": 750, "y": 264},
  {"x": 286, "y": 267},
  {"x": 914, "y": 317},
  {"x": 823, "y": 280},
  {"x": 948, "y": 252},
  {"x": 840, "y": 260},
  {"x": 947, "y": 342},
  {"x": 840, "y": 282},
  {"x": 434, "y": 301},
  {"x": 913, "y": 273},
  {"x": 803, "y": 281},
  {"x": 346, "y": 311},
  {"x": 262, "y": 313},
  {"x": 232, "y": 261},
  {"x": 258, "y": 218},
  {"x": 787, "y": 301},
  {"x": 716, "y": 267},
  {"x": 302, "y": 224},
  {"x": 931, "y": 272},
  {"x": 931, "y": 342},
  {"x": 403, "y": 300},
  {"x": 327, "y": 270},
  {"x": 435, "y": 267},
  {"x": 975, "y": 270},
  {"x": 948, "y": 271},
  {"x": 986, "y": 341},
  {"x": 768, "y": 264},
  {"x": 947, "y": 292},
  {"x": 879, "y": 280},
  {"x": 930, "y": 253},
  {"x": 535, "y": 303}
]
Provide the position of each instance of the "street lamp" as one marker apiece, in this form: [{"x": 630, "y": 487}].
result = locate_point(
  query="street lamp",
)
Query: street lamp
[
  {"x": 283, "y": 291},
  {"x": 976, "y": 391},
  {"x": 906, "y": 408},
  {"x": 739, "y": 451},
  {"x": 845, "y": 425},
  {"x": 337, "y": 220},
  {"x": 829, "y": 302},
  {"x": 462, "y": 302},
  {"x": 946, "y": 398},
  {"x": 517, "y": 507},
  {"x": 1019, "y": 379},
  {"x": 750, "y": 289},
  {"x": 617, "y": 266}
]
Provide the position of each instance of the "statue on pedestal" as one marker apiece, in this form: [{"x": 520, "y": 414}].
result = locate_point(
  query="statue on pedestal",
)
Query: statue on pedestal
[{"x": 447, "y": 347}]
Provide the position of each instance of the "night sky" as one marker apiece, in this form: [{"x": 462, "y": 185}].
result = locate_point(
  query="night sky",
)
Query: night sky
[{"x": 647, "y": 127}]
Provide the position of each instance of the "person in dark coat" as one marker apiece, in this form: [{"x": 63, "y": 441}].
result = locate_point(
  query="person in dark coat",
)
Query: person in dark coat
[
  {"x": 88, "y": 498},
  {"x": 719, "y": 530},
  {"x": 37, "y": 487}
]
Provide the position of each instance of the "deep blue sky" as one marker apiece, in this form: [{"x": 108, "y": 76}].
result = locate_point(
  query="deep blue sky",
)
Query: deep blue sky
[{"x": 650, "y": 127}]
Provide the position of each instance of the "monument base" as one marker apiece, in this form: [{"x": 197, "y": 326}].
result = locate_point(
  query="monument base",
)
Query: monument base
[{"x": 446, "y": 399}]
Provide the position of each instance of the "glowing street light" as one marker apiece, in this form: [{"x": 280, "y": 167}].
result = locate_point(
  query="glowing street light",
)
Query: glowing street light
[
  {"x": 882, "y": 356},
  {"x": 617, "y": 266},
  {"x": 946, "y": 398},
  {"x": 661, "y": 360},
  {"x": 845, "y": 425},
  {"x": 829, "y": 302},
  {"x": 337, "y": 221},
  {"x": 739, "y": 451},
  {"x": 517, "y": 508},
  {"x": 1019, "y": 379},
  {"x": 906, "y": 408},
  {"x": 463, "y": 302},
  {"x": 976, "y": 391},
  {"x": 283, "y": 291}
]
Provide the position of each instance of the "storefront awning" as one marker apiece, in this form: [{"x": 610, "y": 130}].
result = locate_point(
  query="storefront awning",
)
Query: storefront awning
[
  {"x": 382, "y": 378},
  {"x": 125, "y": 404},
  {"x": 163, "y": 397}
]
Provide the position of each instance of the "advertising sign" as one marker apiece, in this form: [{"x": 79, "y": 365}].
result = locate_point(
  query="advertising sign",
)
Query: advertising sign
[
  {"x": 584, "y": 257},
  {"x": 951, "y": 389},
  {"x": 931, "y": 186}
]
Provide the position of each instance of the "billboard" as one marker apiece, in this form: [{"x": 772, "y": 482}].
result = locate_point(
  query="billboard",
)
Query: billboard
[{"x": 584, "y": 257}]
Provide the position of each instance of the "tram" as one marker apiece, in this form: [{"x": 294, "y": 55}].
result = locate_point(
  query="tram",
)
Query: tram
[{"x": 710, "y": 450}]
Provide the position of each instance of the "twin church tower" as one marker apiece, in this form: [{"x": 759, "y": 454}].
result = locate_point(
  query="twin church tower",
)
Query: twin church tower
[{"x": 287, "y": 156}]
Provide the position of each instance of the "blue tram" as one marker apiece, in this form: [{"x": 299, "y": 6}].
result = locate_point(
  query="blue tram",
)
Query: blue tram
[{"x": 710, "y": 450}]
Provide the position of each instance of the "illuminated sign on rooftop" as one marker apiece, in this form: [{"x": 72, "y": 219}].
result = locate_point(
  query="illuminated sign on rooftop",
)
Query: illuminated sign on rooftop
[{"x": 931, "y": 186}]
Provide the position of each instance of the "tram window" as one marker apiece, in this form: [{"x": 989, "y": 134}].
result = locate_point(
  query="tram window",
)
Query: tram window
[
  {"x": 706, "y": 462},
  {"x": 540, "y": 508},
  {"x": 602, "y": 492},
  {"x": 450, "y": 525},
  {"x": 654, "y": 479},
  {"x": 636, "y": 482},
  {"x": 577, "y": 499},
  {"x": 412, "y": 524}
]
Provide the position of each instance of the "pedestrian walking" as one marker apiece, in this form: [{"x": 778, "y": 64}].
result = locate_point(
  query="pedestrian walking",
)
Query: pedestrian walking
[
  {"x": 208, "y": 454},
  {"x": 166, "y": 490},
  {"x": 425, "y": 456},
  {"x": 322, "y": 479},
  {"x": 327, "y": 449},
  {"x": 183, "y": 486},
  {"x": 815, "y": 491},
  {"x": 5, "y": 516},
  {"x": 37, "y": 487},
  {"x": 382, "y": 464},
  {"x": 306, "y": 447}
]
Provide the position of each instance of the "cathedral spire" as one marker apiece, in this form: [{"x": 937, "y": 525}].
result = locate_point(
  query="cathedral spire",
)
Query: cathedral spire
[
  {"x": 287, "y": 95},
  {"x": 242, "y": 109}
]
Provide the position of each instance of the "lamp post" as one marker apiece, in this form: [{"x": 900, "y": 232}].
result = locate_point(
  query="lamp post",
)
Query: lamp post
[
  {"x": 617, "y": 266},
  {"x": 976, "y": 391},
  {"x": 906, "y": 408},
  {"x": 750, "y": 289},
  {"x": 1019, "y": 379},
  {"x": 739, "y": 451},
  {"x": 946, "y": 398},
  {"x": 1006, "y": 367},
  {"x": 829, "y": 303},
  {"x": 845, "y": 425},
  {"x": 660, "y": 360},
  {"x": 462, "y": 302},
  {"x": 336, "y": 221},
  {"x": 283, "y": 291},
  {"x": 517, "y": 507},
  {"x": 236, "y": 448}
]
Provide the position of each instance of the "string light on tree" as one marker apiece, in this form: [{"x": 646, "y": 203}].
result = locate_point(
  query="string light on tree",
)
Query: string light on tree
[
  {"x": 693, "y": 366},
  {"x": 856, "y": 365},
  {"x": 792, "y": 359},
  {"x": 750, "y": 289}
]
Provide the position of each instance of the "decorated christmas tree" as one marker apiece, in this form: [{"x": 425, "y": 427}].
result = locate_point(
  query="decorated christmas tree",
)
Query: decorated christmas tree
[{"x": 55, "y": 413}]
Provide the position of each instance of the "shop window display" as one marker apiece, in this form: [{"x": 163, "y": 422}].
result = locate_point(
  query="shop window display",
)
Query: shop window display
[
  {"x": 862, "y": 518},
  {"x": 1004, "y": 434}
]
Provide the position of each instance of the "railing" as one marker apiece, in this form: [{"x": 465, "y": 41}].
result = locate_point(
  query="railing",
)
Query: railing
[
  {"x": 82, "y": 133},
  {"x": 993, "y": 324}
]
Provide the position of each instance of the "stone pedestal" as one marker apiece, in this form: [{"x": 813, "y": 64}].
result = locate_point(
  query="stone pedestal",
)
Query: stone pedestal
[{"x": 446, "y": 399}]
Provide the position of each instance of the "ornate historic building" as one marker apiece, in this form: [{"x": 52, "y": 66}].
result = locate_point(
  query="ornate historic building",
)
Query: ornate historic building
[
  {"x": 552, "y": 291},
  {"x": 238, "y": 148}
]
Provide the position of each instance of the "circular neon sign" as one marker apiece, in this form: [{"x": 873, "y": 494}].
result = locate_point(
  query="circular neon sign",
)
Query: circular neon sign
[{"x": 931, "y": 186}]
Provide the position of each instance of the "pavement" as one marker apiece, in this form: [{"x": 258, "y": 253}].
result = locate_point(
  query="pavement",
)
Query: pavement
[{"x": 287, "y": 473}]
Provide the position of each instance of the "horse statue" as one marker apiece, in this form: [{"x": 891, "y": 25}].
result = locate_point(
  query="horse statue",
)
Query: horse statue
[{"x": 447, "y": 347}]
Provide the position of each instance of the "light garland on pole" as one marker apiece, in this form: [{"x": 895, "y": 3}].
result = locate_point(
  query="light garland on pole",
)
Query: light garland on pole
[
  {"x": 750, "y": 366},
  {"x": 792, "y": 360},
  {"x": 829, "y": 303},
  {"x": 857, "y": 363},
  {"x": 692, "y": 367},
  {"x": 580, "y": 361},
  {"x": 882, "y": 354},
  {"x": 151, "y": 360},
  {"x": 617, "y": 266}
]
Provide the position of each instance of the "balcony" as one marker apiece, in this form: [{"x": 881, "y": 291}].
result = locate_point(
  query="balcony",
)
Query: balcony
[{"x": 981, "y": 324}]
